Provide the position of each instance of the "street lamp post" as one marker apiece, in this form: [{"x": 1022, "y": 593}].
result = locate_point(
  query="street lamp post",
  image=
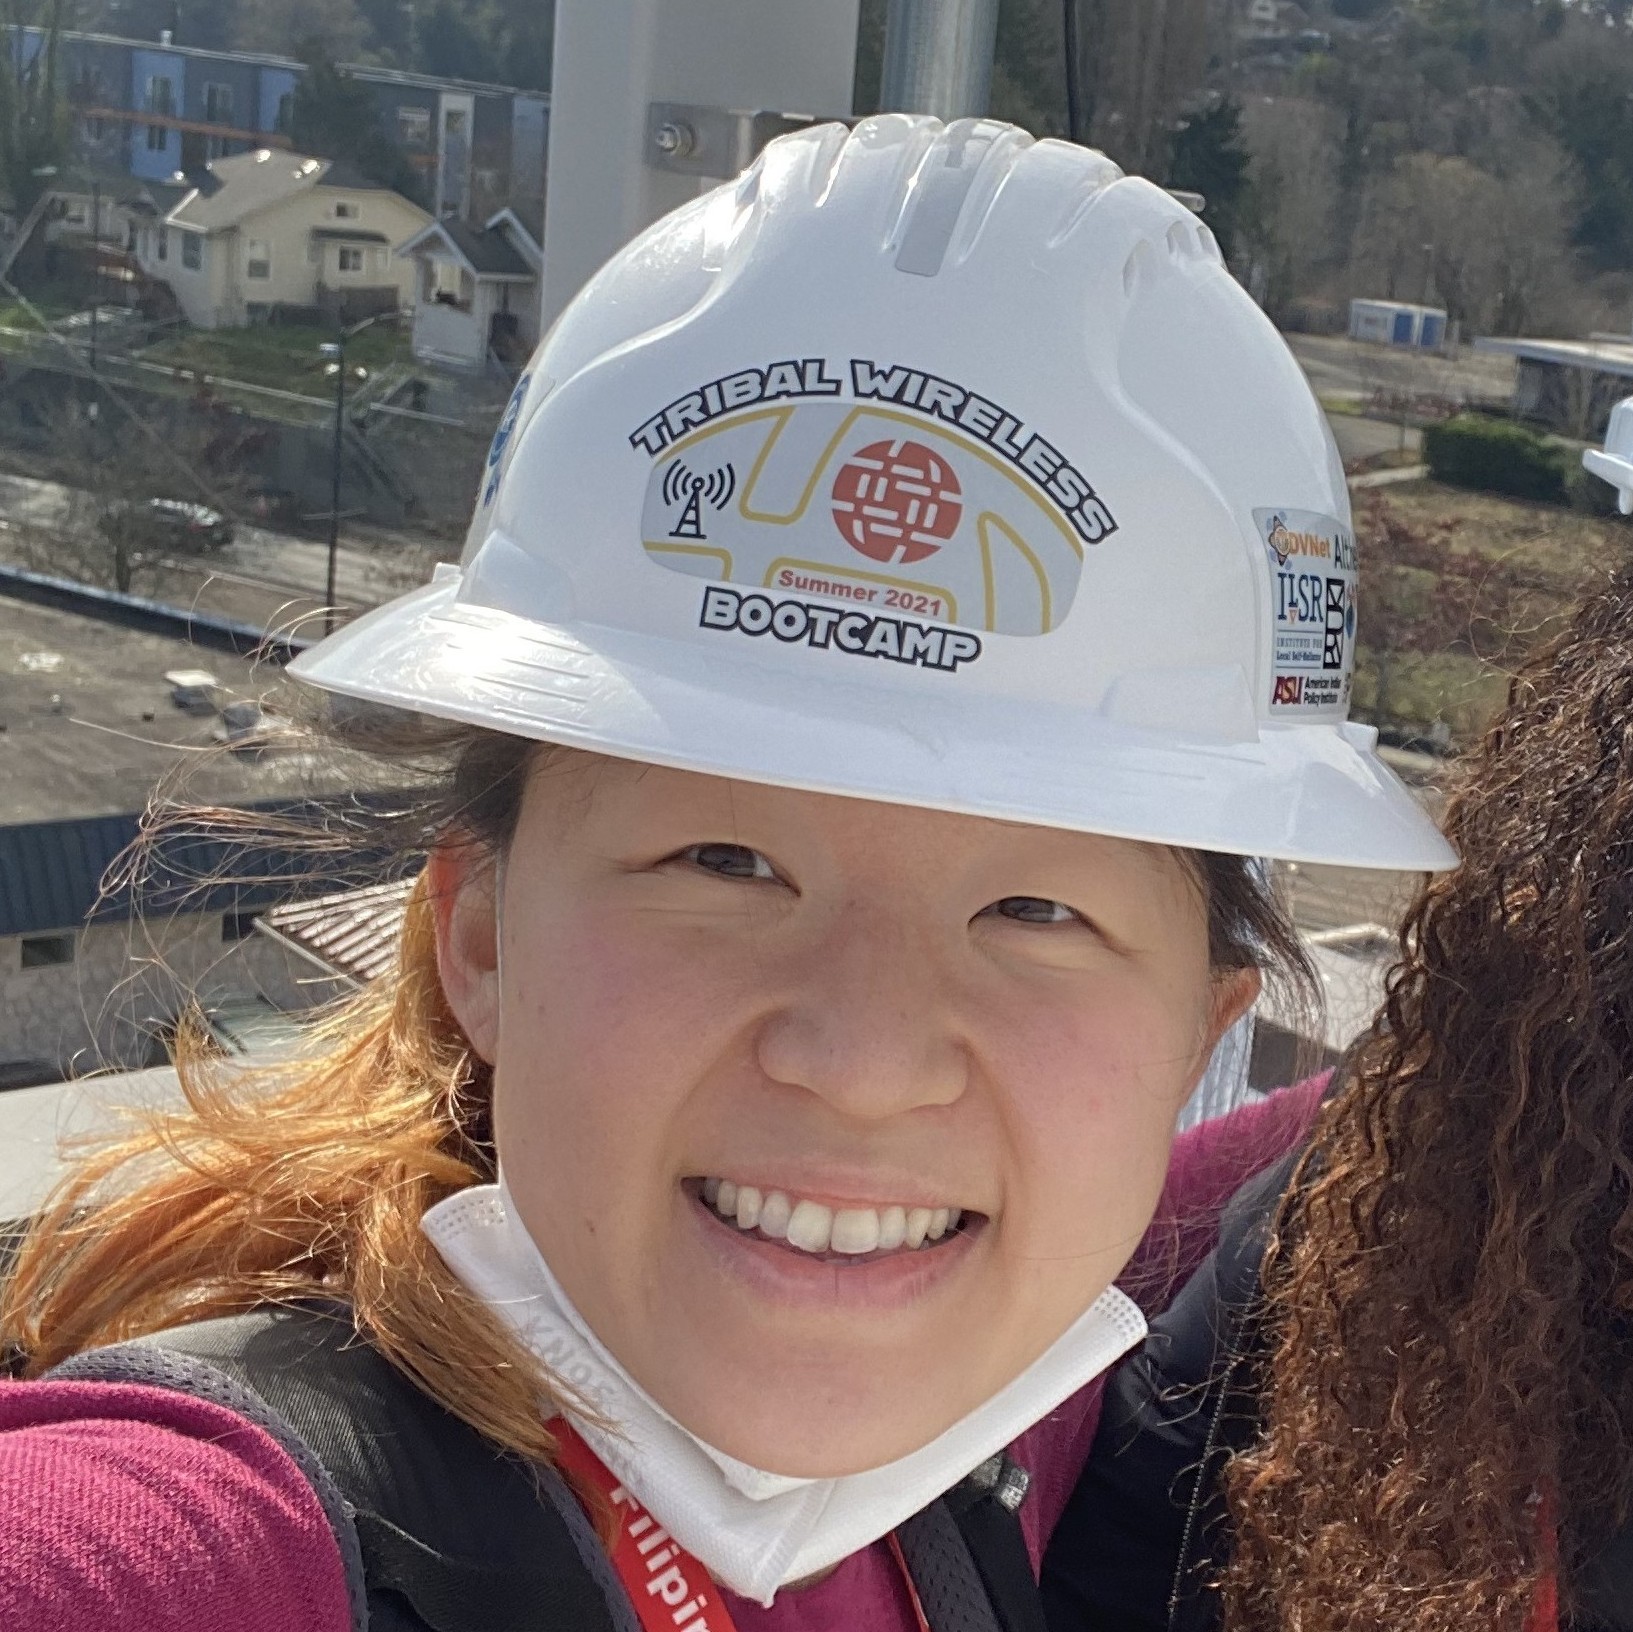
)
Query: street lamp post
[
  {"x": 96, "y": 264},
  {"x": 335, "y": 351}
]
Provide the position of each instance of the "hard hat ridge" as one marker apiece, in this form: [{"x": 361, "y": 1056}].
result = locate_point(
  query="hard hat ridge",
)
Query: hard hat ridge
[{"x": 932, "y": 465}]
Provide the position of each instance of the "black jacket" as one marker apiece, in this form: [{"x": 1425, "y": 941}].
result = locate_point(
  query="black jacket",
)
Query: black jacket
[{"x": 1144, "y": 1534}]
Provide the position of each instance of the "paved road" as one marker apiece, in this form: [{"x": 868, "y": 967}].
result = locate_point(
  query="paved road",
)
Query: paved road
[
  {"x": 1359, "y": 438},
  {"x": 1342, "y": 367},
  {"x": 262, "y": 577}
]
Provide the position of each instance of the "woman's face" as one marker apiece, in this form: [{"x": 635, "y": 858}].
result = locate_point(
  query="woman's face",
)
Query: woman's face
[{"x": 938, "y": 1056}]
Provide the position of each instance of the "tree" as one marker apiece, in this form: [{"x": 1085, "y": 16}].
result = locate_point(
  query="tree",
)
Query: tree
[
  {"x": 1210, "y": 157},
  {"x": 1147, "y": 60},
  {"x": 334, "y": 29},
  {"x": 335, "y": 116},
  {"x": 1585, "y": 100},
  {"x": 34, "y": 126},
  {"x": 1288, "y": 236},
  {"x": 448, "y": 39}
]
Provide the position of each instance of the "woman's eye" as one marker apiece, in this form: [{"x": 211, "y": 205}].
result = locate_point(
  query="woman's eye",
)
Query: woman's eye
[
  {"x": 1031, "y": 909},
  {"x": 729, "y": 861}
]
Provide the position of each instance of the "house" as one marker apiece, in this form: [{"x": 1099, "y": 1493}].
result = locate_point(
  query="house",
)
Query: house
[
  {"x": 476, "y": 291},
  {"x": 274, "y": 229},
  {"x": 148, "y": 108}
]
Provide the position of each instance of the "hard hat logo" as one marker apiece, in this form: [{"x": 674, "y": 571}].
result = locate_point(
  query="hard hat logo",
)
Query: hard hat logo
[
  {"x": 1313, "y": 568},
  {"x": 918, "y": 518},
  {"x": 896, "y": 501}
]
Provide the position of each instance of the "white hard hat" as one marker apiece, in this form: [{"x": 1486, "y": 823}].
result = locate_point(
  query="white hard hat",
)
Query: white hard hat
[{"x": 930, "y": 465}]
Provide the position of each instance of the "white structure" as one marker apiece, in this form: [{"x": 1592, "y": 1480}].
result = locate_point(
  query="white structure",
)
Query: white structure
[
  {"x": 1397, "y": 323},
  {"x": 272, "y": 228},
  {"x": 615, "y": 58},
  {"x": 476, "y": 291}
]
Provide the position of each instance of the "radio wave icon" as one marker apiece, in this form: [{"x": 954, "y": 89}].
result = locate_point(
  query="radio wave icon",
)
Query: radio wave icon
[{"x": 686, "y": 487}]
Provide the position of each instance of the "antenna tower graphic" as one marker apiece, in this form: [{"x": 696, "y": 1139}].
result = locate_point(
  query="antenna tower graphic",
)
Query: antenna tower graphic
[{"x": 685, "y": 487}]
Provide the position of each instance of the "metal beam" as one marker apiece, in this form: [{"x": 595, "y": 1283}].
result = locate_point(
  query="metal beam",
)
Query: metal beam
[
  {"x": 615, "y": 59},
  {"x": 938, "y": 57}
]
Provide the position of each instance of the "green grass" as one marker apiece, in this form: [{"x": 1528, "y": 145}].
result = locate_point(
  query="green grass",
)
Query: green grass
[{"x": 287, "y": 358}]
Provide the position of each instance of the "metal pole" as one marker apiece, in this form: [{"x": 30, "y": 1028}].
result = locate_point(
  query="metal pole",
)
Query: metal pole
[
  {"x": 938, "y": 57},
  {"x": 334, "y": 485},
  {"x": 96, "y": 264}
]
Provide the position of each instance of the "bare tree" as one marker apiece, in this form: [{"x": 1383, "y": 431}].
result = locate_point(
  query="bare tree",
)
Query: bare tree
[
  {"x": 1289, "y": 233},
  {"x": 1147, "y": 60},
  {"x": 109, "y": 471}
]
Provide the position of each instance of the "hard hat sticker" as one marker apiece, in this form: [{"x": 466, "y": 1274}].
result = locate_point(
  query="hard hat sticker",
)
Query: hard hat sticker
[
  {"x": 900, "y": 498},
  {"x": 1313, "y": 567}
]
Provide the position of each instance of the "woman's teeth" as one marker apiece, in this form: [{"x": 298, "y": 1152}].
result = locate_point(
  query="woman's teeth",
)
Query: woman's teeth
[{"x": 812, "y": 1227}]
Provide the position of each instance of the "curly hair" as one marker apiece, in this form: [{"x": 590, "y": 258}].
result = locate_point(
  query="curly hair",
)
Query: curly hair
[{"x": 1448, "y": 1386}]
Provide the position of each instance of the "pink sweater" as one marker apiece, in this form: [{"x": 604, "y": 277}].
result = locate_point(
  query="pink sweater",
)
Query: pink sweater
[{"x": 131, "y": 1509}]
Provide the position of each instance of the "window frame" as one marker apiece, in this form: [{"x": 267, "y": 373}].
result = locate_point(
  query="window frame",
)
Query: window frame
[{"x": 45, "y": 951}]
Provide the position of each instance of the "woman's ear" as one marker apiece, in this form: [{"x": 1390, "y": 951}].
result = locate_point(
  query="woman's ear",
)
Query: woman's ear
[
  {"x": 463, "y": 883},
  {"x": 1234, "y": 992}
]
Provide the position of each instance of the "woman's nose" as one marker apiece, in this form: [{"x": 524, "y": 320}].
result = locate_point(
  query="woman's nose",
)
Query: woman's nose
[{"x": 868, "y": 1024}]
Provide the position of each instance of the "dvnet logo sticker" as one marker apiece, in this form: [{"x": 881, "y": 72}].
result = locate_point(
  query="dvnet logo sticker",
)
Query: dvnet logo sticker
[{"x": 832, "y": 628}]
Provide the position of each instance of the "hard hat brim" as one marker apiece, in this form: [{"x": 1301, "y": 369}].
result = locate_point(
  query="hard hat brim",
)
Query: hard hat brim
[{"x": 1308, "y": 793}]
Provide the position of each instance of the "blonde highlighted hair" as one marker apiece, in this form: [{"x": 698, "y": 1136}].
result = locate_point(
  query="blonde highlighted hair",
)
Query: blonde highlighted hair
[{"x": 308, "y": 1177}]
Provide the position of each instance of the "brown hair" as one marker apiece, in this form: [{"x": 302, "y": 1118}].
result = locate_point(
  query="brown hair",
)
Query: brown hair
[
  {"x": 1451, "y": 1282},
  {"x": 309, "y": 1177}
]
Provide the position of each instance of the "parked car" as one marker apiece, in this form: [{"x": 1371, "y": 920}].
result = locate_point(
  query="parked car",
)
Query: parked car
[{"x": 168, "y": 523}]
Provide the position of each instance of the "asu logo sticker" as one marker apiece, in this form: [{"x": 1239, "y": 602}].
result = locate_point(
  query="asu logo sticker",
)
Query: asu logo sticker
[
  {"x": 869, "y": 498},
  {"x": 1313, "y": 568}
]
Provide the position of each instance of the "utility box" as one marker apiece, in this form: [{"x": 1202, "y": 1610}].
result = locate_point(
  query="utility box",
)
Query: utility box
[{"x": 1397, "y": 323}]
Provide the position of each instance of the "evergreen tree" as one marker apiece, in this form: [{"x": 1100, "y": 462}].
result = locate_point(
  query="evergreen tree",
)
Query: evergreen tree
[
  {"x": 34, "y": 126},
  {"x": 449, "y": 39},
  {"x": 334, "y": 116},
  {"x": 1210, "y": 157}
]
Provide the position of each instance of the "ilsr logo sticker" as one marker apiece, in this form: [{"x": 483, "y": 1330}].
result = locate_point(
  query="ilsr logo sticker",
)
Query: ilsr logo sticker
[
  {"x": 900, "y": 494},
  {"x": 1312, "y": 604}
]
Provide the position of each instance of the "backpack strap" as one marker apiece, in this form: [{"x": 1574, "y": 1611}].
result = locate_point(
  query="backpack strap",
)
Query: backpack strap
[
  {"x": 986, "y": 1509},
  {"x": 440, "y": 1531},
  {"x": 430, "y": 1518}
]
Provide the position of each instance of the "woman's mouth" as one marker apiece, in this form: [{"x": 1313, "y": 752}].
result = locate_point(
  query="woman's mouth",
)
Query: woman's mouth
[{"x": 830, "y": 1234}]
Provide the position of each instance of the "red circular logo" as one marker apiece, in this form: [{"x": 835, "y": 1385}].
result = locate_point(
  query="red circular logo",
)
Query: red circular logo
[{"x": 897, "y": 501}]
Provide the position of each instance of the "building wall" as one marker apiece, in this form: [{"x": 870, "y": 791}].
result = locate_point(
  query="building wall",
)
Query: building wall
[
  {"x": 129, "y": 982},
  {"x": 220, "y": 293},
  {"x": 499, "y": 161},
  {"x": 155, "y": 152}
]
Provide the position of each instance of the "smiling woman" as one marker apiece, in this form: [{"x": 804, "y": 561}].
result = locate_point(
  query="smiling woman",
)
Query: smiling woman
[{"x": 773, "y": 1105}]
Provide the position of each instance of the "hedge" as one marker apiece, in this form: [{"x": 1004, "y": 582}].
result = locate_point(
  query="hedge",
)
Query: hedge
[{"x": 1497, "y": 456}]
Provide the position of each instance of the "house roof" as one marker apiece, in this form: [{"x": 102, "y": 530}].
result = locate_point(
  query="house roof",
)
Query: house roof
[
  {"x": 370, "y": 73},
  {"x": 485, "y": 252},
  {"x": 353, "y": 934},
  {"x": 349, "y": 235},
  {"x": 245, "y": 184},
  {"x": 1599, "y": 356},
  {"x": 343, "y": 173}
]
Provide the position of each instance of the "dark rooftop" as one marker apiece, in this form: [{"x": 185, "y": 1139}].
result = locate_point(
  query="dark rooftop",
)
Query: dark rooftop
[
  {"x": 490, "y": 253},
  {"x": 105, "y": 701},
  {"x": 89, "y": 725}
]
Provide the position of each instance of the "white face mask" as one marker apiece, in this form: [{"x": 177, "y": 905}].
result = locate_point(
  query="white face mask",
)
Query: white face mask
[{"x": 753, "y": 1531}]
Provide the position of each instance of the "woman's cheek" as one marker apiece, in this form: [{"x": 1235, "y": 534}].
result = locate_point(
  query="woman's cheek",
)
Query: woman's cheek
[{"x": 1095, "y": 1112}]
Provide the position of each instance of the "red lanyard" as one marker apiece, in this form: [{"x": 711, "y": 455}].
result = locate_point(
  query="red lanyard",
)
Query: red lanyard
[{"x": 669, "y": 1589}]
